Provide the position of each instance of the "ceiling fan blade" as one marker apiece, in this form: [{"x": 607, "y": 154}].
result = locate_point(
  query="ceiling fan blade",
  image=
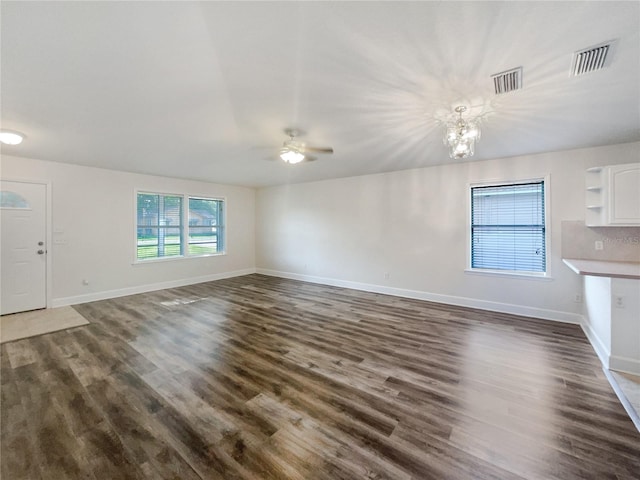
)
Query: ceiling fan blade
[{"x": 318, "y": 149}]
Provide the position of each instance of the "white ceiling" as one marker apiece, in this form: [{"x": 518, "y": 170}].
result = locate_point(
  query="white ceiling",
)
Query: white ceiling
[{"x": 189, "y": 89}]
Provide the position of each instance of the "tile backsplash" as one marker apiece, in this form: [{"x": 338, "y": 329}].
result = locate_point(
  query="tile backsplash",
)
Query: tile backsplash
[{"x": 620, "y": 244}]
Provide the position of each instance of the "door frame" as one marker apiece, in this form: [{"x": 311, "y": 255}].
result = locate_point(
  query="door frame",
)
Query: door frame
[{"x": 48, "y": 232}]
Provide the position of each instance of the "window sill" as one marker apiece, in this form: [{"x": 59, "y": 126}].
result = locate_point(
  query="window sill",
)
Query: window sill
[
  {"x": 501, "y": 273},
  {"x": 177, "y": 258}
]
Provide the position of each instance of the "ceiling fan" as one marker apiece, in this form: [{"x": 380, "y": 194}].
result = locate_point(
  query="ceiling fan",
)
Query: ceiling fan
[{"x": 294, "y": 151}]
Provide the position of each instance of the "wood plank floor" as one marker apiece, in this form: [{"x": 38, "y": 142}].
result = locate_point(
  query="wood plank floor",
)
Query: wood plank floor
[{"x": 264, "y": 378}]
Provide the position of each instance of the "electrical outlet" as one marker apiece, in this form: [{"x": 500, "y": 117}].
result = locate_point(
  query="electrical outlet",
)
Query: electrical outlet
[
  {"x": 599, "y": 245},
  {"x": 386, "y": 276},
  {"x": 577, "y": 298},
  {"x": 618, "y": 301}
]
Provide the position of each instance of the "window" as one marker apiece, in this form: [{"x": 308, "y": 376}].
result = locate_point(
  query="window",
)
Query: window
[
  {"x": 161, "y": 231},
  {"x": 508, "y": 227},
  {"x": 13, "y": 200},
  {"x": 206, "y": 226}
]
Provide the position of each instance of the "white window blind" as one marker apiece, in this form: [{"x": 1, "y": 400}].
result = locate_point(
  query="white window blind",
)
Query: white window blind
[
  {"x": 178, "y": 226},
  {"x": 508, "y": 227}
]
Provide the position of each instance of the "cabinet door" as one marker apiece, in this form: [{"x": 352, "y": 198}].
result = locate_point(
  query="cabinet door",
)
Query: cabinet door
[{"x": 624, "y": 188}]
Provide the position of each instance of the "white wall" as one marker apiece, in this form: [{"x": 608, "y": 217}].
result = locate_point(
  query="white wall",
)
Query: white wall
[
  {"x": 93, "y": 218},
  {"x": 597, "y": 318},
  {"x": 612, "y": 328},
  {"x": 410, "y": 224},
  {"x": 625, "y": 325},
  {"x": 413, "y": 225}
]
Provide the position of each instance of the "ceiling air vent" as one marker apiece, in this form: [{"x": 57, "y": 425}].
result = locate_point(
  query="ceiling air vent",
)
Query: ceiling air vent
[
  {"x": 591, "y": 59},
  {"x": 508, "y": 81}
]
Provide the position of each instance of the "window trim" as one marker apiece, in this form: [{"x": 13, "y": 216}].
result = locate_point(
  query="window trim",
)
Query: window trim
[
  {"x": 185, "y": 226},
  {"x": 546, "y": 179}
]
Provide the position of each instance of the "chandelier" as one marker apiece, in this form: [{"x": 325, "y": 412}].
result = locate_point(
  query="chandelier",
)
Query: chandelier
[{"x": 461, "y": 135}]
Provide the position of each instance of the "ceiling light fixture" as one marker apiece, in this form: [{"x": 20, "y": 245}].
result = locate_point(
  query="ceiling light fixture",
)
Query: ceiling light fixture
[
  {"x": 291, "y": 155},
  {"x": 461, "y": 135},
  {"x": 292, "y": 151},
  {"x": 11, "y": 138}
]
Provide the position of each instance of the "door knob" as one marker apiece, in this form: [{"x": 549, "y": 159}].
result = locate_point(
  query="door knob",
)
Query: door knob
[{"x": 40, "y": 252}]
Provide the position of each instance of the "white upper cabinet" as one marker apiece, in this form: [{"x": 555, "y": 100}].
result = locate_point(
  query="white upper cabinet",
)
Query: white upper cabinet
[{"x": 613, "y": 196}]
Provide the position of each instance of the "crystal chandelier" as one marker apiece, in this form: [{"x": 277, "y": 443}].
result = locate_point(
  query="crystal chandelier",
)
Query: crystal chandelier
[{"x": 461, "y": 135}]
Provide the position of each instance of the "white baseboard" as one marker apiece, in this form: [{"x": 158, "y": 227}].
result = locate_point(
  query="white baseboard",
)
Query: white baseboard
[
  {"x": 625, "y": 364},
  {"x": 558, "y": 316},
  {"x": 612, "y": 362},
  {"x": 122, "y": 292},
  {"x": 631, "y": 411},
  {"x": 600, "y": 348}
]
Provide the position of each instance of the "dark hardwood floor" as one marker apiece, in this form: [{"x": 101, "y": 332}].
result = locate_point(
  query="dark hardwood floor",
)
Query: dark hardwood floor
[{"x": 264, "y": 378}]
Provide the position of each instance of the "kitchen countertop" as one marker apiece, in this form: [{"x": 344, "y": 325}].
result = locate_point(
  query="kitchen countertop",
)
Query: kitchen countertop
[{"x": 599, "y": 268}]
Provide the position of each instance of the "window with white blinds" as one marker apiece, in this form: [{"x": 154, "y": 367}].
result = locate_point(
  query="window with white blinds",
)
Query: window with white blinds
[
  {"x": 508, "y": 227},
  {"x": 178, "y": 226}
]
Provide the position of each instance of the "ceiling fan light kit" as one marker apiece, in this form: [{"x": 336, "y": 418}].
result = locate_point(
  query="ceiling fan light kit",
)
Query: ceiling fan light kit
[
  {"x": 293, "y": 151},
  {"x": 461, "y": 135},
  {"x": 290, "y": 155}
]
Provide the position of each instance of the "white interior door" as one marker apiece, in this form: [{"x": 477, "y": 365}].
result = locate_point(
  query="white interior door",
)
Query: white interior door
[{"x": 23, "y": 250}]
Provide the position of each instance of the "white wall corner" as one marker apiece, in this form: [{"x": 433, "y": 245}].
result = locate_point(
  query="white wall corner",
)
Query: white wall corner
[
  {"x": 598, "y": 345},
  {"x": 554, "y": 315},
  {"x": 631, "y": 411},
  {"x": 122, "y": 292},
  {"x": 624, "y": 364}
]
